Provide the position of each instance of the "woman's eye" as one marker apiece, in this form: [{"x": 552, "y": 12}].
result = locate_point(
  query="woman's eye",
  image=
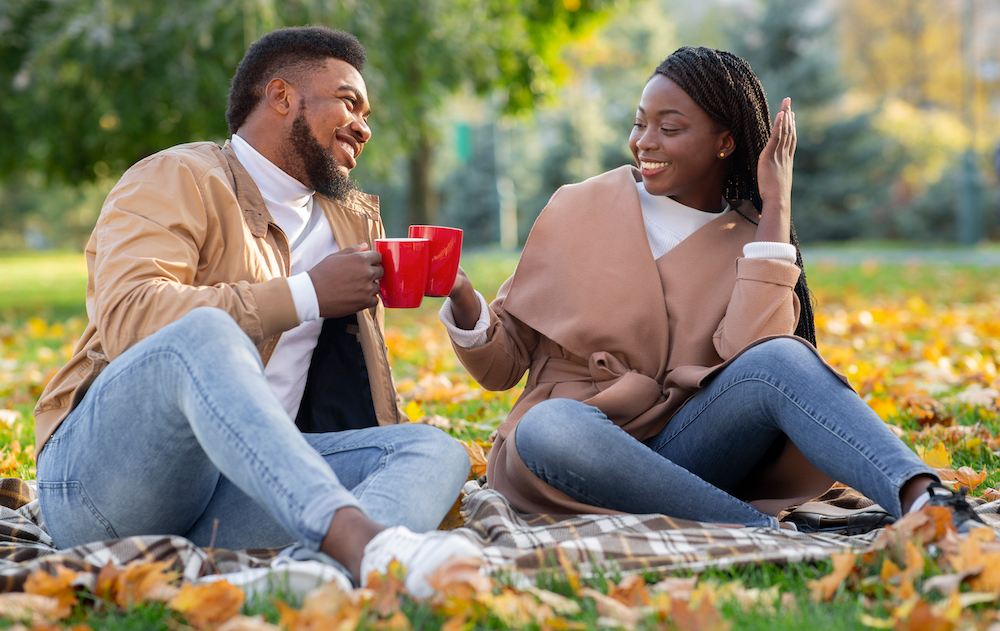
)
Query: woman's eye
[
  {"x": 668, "y": 131},
  {"x": 638, "y": 125}
]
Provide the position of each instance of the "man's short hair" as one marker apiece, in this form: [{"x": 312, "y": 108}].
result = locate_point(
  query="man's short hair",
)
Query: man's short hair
[{"x": 289, "y": 53}]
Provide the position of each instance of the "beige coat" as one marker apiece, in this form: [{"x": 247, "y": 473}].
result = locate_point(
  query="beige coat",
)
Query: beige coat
[
  {"x": 186, "y": 228},
  {"x": 593, "y": 317}
]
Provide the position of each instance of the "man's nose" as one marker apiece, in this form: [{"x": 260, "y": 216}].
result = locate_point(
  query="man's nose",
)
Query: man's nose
[{"x": 360, "y": 128}]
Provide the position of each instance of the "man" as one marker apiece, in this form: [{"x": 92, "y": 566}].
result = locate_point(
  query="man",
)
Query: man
[{"x": 232, "y": 290}]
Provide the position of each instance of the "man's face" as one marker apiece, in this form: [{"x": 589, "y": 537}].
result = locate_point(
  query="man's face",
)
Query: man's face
[{"x": 329, "y": 130}]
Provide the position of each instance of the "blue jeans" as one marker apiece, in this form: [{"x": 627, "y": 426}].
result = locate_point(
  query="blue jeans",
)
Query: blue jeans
[
  {"x": 182, "y": 431},
  {"x": 774, "y": 390}
]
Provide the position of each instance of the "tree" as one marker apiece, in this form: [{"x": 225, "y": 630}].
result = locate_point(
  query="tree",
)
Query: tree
[
  {"x": 91, "y": 86},
  {"x": 844, "y": 168}
]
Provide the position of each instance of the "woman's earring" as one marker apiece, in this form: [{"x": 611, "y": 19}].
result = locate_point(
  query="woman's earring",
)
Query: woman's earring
[{"x": 722, "y": 154}]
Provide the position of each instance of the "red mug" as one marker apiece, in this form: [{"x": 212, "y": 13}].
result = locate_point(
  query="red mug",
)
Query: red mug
[
  {"x": 405, "y": 265},
  {"x": 445, "y": 254}
]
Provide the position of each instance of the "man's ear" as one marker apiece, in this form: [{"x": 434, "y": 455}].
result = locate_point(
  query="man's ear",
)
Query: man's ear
[{"x": 278, "y": 94}]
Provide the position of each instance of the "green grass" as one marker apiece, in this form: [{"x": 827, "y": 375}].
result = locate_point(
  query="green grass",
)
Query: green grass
[
  {"x": 52, "y": 287},
  {"x": 49, "y": 285}
]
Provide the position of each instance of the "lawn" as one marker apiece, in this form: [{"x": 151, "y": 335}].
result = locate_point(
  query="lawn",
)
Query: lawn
[{"x": 920, "y": 343}]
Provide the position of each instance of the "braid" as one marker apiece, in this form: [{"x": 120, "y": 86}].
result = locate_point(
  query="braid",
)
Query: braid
[{"x": 725, "y": 86}]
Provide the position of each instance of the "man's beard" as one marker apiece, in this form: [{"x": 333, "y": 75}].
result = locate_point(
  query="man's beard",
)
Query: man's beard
[{"x": 321, "y": 169}]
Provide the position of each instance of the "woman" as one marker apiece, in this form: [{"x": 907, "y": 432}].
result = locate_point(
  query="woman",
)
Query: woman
[{"x": 667, "y": 330}]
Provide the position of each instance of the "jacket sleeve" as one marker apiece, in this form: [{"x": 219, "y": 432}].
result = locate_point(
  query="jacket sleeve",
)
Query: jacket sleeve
[
  {"x": 156, "y": 232},
  {"x": 500, "y": 363},
  {"x": 763, "y": 303}
]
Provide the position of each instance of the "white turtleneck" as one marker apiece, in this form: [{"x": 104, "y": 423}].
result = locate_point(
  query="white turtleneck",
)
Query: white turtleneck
[
  {"x": 310, "y": 240},
  {"x": 667, "y": 223}
]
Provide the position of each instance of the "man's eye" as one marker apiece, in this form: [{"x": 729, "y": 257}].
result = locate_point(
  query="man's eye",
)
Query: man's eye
[{"x": 350, "y": 101}]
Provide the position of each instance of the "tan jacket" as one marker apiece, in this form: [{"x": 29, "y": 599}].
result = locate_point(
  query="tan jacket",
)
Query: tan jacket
[
  {"x": 187, "y": 228},
  {"x": 593, "y": 317}
]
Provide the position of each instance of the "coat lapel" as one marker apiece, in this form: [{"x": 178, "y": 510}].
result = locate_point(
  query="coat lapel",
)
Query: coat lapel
[{"x": 587, "y": 279}]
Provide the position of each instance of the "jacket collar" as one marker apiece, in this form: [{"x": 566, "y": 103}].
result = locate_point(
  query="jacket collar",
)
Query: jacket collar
[{"x": 248, "y": 196}]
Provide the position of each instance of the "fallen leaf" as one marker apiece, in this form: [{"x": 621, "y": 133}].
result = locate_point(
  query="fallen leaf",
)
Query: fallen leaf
[
  {"x": 631, "y": 591},
  {"x": 622, "y": 614},
  {"x": 144, "y": 580},
  {"x": 701, "y": 617},
  {"x": 454, "y": 517},
  {"x": 477, "y": 457},
  {"x": 207, "y": 605},
  {"x": 32, "y": 607},
  {"x": 572, "y": 574},
  {"x": 965, "y": 476},
  {"x": 559, "y": 604},
  {"x": 676, "y": 587},
  {"x": 386, "y": 588},
  {"x": 59, "y": 586},
  {"x": 247, "y": 623},
  {"x": 824, "y": 588},
  {"x": 936, "y": 456},
  {"x": 460, "y": 577}
]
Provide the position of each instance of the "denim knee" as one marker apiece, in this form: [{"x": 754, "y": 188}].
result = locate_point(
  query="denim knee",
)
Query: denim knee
[
  {"x": 207, "y": 330},
  {"x": 447, "y": 452},
  {"x": 553, "y": 429}
]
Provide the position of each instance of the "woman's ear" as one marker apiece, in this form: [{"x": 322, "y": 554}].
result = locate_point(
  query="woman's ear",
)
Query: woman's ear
[{"x": 726, "y": 144}]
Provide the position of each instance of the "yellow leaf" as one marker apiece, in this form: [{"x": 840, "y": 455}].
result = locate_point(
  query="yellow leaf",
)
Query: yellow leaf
[
  {"x": 207, "y": 605},
  {"x": 877, "y": 623},
  {"x": 413, "y": 411},
  {"x": 885, "y": 408},
  {"x": 937, "y": 456}
]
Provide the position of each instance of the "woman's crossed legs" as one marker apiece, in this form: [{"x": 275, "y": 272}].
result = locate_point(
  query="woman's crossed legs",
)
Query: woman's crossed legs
[{"x": 715, "y": 441}]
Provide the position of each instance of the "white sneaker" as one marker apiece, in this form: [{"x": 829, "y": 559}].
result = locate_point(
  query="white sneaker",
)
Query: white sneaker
[
  {"x": 420, "y": 554},
  {"x": 296, "y": 578}
]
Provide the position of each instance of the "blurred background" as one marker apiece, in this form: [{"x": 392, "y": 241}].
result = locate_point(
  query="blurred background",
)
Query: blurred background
[{"x": 482, "y": 108}]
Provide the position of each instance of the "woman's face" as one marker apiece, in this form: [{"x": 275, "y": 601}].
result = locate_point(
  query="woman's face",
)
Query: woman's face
[{"x": 676, "y": 146}]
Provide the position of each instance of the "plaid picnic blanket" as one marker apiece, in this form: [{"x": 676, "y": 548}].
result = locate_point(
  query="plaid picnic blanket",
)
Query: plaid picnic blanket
[{"x": 511, "y": 541}]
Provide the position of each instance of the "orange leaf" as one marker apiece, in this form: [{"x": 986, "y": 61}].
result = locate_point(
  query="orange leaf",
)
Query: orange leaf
[
  {"x": 621, "y": 613},
  {"x": 477, "y": 457},
  {"x": 704, "y": 617},
  {"x": 631, "y": 591},
  {"x": 144, "y": 580},
  {"x": 843, "y": 566},
  {"x": 387, "y": 588},
  {"x": 925, "y": 618},
  {"x": 106, "y": 585},
  {"x": 207, "y": 605},
  {"x": 965, "y": 476},
  {"x": 245, "y": 623},
  {"x": 460, "y": 577},
  {"x": 454, "y": 517},
  {"x": 59, "y": 587}
]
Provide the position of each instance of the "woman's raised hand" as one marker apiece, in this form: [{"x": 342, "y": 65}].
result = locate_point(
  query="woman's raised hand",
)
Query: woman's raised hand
[{"x": 774, "y": 177}]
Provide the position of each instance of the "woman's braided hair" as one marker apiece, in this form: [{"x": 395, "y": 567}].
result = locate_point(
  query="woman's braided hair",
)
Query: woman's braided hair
[{"x": 725, "y": 87}]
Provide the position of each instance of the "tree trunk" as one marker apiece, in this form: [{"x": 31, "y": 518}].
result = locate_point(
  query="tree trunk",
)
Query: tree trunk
[{"x": 420, "y": 209}]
